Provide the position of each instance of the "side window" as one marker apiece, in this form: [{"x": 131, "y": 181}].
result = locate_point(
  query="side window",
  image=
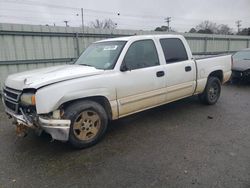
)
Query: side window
[
  {"x": 141, "y": 54},
  {"x": 174, "y": 50}
]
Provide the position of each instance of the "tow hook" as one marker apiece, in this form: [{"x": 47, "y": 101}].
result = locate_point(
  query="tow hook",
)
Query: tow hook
[{"x": 21, "y": 130}]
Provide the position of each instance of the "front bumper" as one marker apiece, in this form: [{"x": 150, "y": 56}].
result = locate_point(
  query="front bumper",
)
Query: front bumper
[
  {"x": 57, "y": 128},
  {"x": 243, "y": 75}
]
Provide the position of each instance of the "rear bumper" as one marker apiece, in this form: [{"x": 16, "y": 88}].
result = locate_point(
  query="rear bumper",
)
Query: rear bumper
[{"x": 57, "y": 128}]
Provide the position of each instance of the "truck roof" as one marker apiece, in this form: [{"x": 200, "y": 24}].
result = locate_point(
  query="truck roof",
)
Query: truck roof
[{"x": 138, "y": 37}]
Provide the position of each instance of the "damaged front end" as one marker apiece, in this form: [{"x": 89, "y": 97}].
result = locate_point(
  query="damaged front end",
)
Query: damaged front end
[{"x": 21, "y": 107}]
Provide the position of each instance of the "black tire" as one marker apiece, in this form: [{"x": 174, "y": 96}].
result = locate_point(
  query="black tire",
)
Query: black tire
[
  {"x": 212, "y": 91},
  {"x": 74, "y": 111}
]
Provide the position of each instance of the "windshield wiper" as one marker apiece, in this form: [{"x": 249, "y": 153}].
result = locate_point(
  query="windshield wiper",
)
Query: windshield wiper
[{"x": 86, "y": 65}]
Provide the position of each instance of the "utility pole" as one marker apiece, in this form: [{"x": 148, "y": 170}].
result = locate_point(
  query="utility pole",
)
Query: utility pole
[
  {"x": 82, "y": 20},
  {"x": 66, "y": 23},
  {"x": 238, "y": 24},
  {"x": 168, "y": 20}
]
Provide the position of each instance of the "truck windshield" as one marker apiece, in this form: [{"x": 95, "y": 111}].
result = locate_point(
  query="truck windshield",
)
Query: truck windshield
[{"x": 102, "y": 55}]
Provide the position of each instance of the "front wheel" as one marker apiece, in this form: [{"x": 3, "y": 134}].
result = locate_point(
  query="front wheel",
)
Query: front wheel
[
  {"x": 88, "y": 123},
  {"x": 212, "y": 91}
]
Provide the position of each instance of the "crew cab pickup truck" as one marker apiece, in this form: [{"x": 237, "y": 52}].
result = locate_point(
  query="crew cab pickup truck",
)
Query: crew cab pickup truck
[{"x": 111, "y": 79}]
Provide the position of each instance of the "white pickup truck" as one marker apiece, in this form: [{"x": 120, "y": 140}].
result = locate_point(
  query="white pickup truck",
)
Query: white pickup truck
[{"x": 111, "y": 79}]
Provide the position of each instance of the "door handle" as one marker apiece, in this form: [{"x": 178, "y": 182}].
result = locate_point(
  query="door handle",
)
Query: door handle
[
  {"x": 188, "y": 68},
  {"x": 160, "y": 73}
]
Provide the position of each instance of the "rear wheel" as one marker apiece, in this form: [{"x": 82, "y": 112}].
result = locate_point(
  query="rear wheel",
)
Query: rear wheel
[
  {"x": 88, "y": 123},
  {"x": 212, "y": 91}
]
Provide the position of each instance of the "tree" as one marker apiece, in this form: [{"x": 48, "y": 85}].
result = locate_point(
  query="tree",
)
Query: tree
[
  {"x": 165, "y": 28},
  {"x": 158, "y": 29},
  {"x": 245, "y": 31},
  {"x": 206, "y": 31},
  {"x": 192, "y": 30},
  {"x": 162, "y": 28},
  {"x": 207, "y": 27},
  {"x": 103, "y": 24},
  {"x": 224, "y": 29}
]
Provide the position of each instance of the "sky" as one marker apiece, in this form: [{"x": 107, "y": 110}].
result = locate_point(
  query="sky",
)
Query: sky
[{"x": 127, "y": 14}]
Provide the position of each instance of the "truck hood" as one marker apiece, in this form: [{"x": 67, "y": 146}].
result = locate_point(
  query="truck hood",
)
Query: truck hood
[{"x": 41, "y": 77}]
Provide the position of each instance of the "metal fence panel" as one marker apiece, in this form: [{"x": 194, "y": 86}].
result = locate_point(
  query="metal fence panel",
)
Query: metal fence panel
[
  {"x": 238, "y": 44},
  {"x": 197, "y": 45},
  {"x": 217, "y": 45}
]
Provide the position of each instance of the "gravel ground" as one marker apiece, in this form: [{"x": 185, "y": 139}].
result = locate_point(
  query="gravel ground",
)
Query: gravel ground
[{"x": 182, "y": 144}]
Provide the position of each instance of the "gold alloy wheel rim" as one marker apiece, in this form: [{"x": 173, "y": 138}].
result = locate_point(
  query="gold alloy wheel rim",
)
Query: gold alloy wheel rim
[{"x": 87, "y": 125}]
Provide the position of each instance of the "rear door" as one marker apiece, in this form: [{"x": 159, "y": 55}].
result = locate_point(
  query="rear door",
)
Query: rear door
[{"x": 180, "y": 71}]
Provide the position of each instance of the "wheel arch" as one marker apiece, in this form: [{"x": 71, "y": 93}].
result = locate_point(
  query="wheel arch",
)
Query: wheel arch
[
  {"x": 102, "y": 100},
  {"x": 218, "y": 74},
  {"x": 202, "y": 81}
]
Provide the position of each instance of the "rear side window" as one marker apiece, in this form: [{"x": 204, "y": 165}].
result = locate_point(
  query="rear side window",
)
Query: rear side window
[
  {"x": 174, "y": 50},
  {"x": 141, "y": 54}
]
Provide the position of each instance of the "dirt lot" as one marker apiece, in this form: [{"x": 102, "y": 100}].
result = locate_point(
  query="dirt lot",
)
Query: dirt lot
[{"x": 183, "y": 144}]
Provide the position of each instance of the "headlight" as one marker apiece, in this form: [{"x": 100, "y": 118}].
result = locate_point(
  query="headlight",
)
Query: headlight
[{"x": 28, "y": 99}]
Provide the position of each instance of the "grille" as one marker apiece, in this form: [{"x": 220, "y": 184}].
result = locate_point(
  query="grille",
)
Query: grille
[
  {"x": 11, "y": 105},
  {"x": 247, "y": 73},
  {"x": 13, "y": 96},
  {"x": 11, "y": 99}
]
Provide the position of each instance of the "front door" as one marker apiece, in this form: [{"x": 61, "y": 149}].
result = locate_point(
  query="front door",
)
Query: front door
[{"x": 143, "y": 84}]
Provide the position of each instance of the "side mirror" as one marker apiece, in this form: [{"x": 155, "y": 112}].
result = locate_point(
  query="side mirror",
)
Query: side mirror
[{"x": 124, "y": 67}]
